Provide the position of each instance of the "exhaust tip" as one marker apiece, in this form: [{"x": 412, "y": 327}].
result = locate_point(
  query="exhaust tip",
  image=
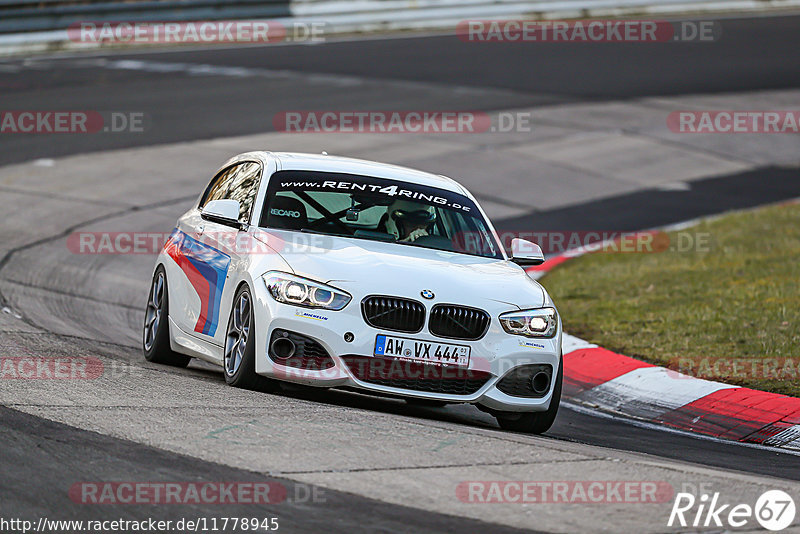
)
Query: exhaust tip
[
  {"x": 283, "y": 348},
  {"x": 540, "y": 382}
]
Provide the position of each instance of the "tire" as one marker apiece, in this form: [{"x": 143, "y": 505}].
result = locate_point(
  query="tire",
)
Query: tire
[
  {"x": 239, "y": 361},
  {"x": 536, "y": 422},
  {"x": 155, "y": 330}
]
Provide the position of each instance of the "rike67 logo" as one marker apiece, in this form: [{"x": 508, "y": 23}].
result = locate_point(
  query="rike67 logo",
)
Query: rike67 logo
[{"x": 774, "y": 510}]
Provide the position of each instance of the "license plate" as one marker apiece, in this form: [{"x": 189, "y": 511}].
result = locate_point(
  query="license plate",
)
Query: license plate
[{"x": 422, "y": 351}]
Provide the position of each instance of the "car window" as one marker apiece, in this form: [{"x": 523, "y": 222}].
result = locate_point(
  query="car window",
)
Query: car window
[
  {"x": 243, "y": 187},
  {"x": 219, "y": 186},
  {"x": 377, "y": 209}
]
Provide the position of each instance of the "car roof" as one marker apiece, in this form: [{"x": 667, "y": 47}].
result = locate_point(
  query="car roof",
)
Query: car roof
[{"x": 291, "y": 161}]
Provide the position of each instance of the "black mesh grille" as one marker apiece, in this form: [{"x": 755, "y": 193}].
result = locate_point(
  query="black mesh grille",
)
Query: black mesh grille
[
  {"x": 458, "y": 322},
  {"x": 393, "y": 313},
  {"x": 308, "y": 355},
  {"x": 416, "y": 376},
  {"x": 517, "y": 382}
]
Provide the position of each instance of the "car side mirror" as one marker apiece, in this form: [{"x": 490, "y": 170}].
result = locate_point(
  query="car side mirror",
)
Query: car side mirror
[
  {"x": 223, "y": 212},
  {"x": 525, "y": 253}
]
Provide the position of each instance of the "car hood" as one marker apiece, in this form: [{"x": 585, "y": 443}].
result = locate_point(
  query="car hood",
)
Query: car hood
[{"x": 364, "y": 267}]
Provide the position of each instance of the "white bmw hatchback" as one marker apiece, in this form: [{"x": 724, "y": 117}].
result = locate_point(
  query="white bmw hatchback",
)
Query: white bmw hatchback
[{"x": 337, "y": 272}]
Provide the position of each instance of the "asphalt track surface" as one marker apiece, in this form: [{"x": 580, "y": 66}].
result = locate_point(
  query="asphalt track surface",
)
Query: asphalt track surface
[
  {"x": 38, "y": 454},
  {"x": 751, "y": 54},
  {"x": 33, "y": 446}
]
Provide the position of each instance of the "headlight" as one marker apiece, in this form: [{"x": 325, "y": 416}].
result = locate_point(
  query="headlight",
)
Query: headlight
[
  {"x": 541, "y": 322},
  {"x": 291, "y": 289}
]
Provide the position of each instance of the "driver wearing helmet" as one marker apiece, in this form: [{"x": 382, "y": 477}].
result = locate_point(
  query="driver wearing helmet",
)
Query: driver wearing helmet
[{"x": 408, "y": 220}]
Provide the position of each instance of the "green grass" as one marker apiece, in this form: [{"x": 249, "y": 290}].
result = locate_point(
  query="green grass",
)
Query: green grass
[{"x": 729, "y": 313}]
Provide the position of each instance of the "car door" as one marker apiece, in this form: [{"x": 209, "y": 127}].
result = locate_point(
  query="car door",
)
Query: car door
[
  {"x": 243, "y": 188},
  {"x": 198, "y": 274}
]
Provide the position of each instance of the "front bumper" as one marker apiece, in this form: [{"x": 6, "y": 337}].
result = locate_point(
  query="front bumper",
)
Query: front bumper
[{"x": 496, "y": 353}]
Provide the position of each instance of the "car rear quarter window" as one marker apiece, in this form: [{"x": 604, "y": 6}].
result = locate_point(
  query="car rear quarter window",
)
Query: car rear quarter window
[
  {"x": 219, "y": 186},
  {"x": 237, "y": 182}
]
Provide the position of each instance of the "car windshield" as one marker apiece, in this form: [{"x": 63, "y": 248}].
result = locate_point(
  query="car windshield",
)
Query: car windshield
[{"x": 377, "y": 209}]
